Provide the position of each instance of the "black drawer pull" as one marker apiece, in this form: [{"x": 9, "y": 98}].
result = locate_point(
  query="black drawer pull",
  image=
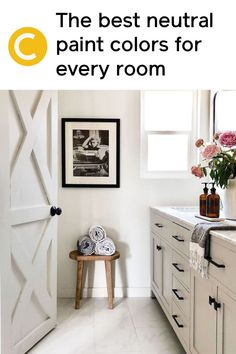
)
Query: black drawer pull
[
  {"x": 158, "y": 247},
  {"x": 177, "y": 238},
  {"x": 211, "y": 300},
  {"x": 176, "y": 266},
  {"x": 175, "y": 319},
  {"x": 210, "y": 260},
  {"x": 159, "y": 225},
  {"x": 217, "y": 305},
  {"x": 175, "y": 291}
]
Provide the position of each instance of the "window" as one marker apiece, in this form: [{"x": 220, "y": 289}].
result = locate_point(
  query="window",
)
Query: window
[{"x": 168, "y": 132}]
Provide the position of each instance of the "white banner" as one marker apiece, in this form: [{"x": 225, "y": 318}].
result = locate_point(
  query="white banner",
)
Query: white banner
[{"x": 117, "y": 45}]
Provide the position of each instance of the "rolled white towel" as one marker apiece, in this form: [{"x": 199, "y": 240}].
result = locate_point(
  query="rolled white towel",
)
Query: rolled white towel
[
  {"x": 105, "y": 247},
  {"x": 85, "y": 245},
  {"x": 97, "y": 233}
]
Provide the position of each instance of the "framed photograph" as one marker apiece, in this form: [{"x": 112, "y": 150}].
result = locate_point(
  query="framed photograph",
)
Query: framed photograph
[{"x": 90, "y": 152}]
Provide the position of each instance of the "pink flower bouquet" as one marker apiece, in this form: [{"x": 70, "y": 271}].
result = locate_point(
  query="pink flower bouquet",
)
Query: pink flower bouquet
[{"x": 218, "y": 158}]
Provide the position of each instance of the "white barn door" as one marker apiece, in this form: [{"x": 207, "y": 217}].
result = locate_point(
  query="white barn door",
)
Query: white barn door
[{"x": 31, "y": 239}]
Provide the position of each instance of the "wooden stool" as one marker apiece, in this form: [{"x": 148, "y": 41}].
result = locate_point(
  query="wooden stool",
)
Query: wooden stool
[{"x": 80, "y": 258}]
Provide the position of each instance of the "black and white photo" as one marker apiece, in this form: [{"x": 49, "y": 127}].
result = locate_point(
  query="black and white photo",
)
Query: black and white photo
[{"x": 90, "y": 152}]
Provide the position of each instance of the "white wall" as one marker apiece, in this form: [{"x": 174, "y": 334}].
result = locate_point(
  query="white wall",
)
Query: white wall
[{"x": 124, "y": 212}]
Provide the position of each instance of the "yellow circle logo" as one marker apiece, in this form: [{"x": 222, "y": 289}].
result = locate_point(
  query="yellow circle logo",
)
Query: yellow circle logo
[{"x": 27, "y": 46}]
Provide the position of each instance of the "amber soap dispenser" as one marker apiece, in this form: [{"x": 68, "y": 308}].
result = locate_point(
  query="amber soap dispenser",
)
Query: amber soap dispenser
[
  {"x": 203, "y": 201},
  {"x": 213, "y": 203}
]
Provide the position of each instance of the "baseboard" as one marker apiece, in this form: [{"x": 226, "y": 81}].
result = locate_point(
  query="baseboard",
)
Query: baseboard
[{"x": 102, "y": 292}]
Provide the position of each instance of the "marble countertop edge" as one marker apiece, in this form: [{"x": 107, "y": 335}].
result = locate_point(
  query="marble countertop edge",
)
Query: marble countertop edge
[{"x": 186, "y": 215}]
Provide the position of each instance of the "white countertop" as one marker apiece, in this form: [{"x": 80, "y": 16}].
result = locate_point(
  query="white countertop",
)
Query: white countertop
[{"x": 186, "y": 216}]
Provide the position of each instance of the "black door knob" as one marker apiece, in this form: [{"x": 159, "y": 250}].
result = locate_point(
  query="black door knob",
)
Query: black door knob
[
  {"x": 211, "y": 300},
  {"x": 55, "y": 211},
  {"x": 217, "y": 305},
  {"x": 58, "y": 211}
]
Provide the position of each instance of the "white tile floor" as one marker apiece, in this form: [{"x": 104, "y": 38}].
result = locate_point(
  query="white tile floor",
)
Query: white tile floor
[{"x": 133, "y": 326}]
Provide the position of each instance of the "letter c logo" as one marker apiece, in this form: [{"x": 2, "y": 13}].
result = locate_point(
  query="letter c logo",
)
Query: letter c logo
[{"x": 27, "y": 46}]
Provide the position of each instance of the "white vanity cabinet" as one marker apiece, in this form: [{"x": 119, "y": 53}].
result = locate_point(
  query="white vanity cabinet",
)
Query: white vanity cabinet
[
  {"x": 213, "y": 303},
  {"x": 226, "y": 323},
  {"x": 203, "y": 315},
  {"x": 201, "y": 311},
  {"x": 213, "y": 317},
  {"x": 156, "y": 267},
  {"x": 170, "y": 272},
  {"x": 161, "y": 274}
]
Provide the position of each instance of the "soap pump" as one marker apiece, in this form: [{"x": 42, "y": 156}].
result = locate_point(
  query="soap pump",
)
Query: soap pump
[
  {"x": 203, "y": 200},
  {"x": 213, "y": 203}
]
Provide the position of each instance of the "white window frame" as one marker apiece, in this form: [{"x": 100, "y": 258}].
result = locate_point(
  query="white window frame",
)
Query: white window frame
[{"x": 192, "y": 137}]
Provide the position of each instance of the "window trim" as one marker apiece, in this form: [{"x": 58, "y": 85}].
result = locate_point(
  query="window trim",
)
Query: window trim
[{"x": 192, "y": 136}]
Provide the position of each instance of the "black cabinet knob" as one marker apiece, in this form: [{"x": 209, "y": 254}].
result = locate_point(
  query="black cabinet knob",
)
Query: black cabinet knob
[
  {"x": 159, "y": 225},
  {"x": 175, "y": 291},
  {"x": 176, "y": 321},
  {"x": 55, "y": 211},
  {"x": 177, "y": 238},
  {"x": 177, "y": 267}
]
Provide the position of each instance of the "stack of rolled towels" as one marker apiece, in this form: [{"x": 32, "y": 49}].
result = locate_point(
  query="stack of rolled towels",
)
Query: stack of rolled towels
[{"x": 96, "y": 242}]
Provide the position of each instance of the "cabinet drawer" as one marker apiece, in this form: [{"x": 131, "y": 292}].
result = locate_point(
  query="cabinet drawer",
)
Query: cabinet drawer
[
  {"x": 161, "y": 226},
  {"x": 181, "y": 296},
  {"x": 180, "y": 268},
  {"x": 180, "y": 323},
  {"x": 223, "y": 256},
  {"x": 180, "y": 238}
]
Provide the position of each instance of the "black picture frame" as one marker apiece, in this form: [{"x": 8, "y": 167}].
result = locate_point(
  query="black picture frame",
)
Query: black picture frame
[{"x": 90, "y": 152}]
